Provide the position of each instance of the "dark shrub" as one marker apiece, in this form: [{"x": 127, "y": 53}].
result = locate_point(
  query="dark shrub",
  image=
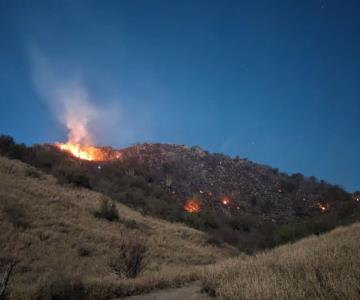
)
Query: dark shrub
[
  {"x": 337, "y": 194},
  {"x": 15, "y": 214},
  {"x": 62, "y": 287},
  {"x": 107, "y": 211},
  {"x": 32, "y": 172},
  {"x": 130, "y": 259},
  {"x": 18, "y": 151},
  {"x": 215, "y": 239},
  {"x": 72, "y": 175},
  {"x": 265, "y": 207},
  {"x": 289, "y": 233},
  {"x": 5, "y": 143},
  {"x": 288, "y": 185},
  {"x": 84, "y": 250},
  {"x": 210, "y": 219},
  {"x": 244, "y": 222}
]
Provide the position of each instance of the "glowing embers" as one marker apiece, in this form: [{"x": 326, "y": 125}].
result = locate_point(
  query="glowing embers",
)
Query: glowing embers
[
  {"x": 324, "y": 207},
  {"x": 225, "y": 200},
  {"x": 192, "y": 206},
  {"x": 356, "y": 197}
]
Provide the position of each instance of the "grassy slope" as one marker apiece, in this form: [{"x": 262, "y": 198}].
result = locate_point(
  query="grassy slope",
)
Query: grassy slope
[
  {"x": 60, "y": 220},
  {"x": 323, "y": 267}
]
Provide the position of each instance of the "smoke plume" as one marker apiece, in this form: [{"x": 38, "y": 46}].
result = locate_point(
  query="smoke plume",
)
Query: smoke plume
[{"x": 70, "y": 102}]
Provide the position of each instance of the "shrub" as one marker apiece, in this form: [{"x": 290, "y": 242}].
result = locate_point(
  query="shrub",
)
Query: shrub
[
  {"x": 210, "y": 219},
  {"x": 244, "y": 222},
  {"x": 84, "y": 250},
  {"x": 107, "y": 211},
  {"x": 130, "y": 259},
  {"x": 62, "y": 287},
  {"x": 72, "y": 175},
  {"x": 5, "y": 143},
  {"x": 6, "y": 266},
  {"x": 15, "y": 215},
  {"x": 33, "y": 173}
]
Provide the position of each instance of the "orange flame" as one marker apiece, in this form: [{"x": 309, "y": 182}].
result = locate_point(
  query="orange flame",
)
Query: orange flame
[
  {"x": 192, "y": 206},
  {"x": 83, "y": 152},
  {"x": 323, "y": 207},
  {"x": 225, "y": 200}
]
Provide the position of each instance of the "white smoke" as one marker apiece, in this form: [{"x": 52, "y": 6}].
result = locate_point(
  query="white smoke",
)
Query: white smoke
[{"x": 70, "y": 102}]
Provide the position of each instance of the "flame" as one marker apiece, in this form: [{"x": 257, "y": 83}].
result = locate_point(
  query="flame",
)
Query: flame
[
  {"x": 225, "y": 200},
  {"x": 323, "y": 207},
  {"x": 192, "y": 206},
  {"x": 83, "y": 151}
]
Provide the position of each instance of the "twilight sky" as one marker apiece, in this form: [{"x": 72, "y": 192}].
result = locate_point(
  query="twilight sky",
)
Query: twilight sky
[{"x": 275, "y": 81}]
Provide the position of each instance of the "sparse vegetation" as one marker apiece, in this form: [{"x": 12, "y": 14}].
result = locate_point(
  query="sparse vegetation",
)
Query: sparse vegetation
[
  {"x": 61, "y": 287},
  {"x": 158, "y": 187},
  {"x": 107, "y": 211},
  {"x": 130, "y": 257},
  {"x": 324, "y": 267},
  {"x": 64, "y": 231},
  {"x": 15, "y": 214},
  {"x": 6, "y": 266}
]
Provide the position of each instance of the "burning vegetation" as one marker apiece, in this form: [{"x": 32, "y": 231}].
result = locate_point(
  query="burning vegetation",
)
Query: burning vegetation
[
  {"x": 225, "y": 200},
  {"x": 82, "y": 152},
  {"x": 323, "y": 207},
  {"x": 192, "y": 206},
  {"x": 90, "y": 153}
]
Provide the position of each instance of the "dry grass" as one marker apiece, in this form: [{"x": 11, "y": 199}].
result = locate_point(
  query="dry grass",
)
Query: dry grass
[
  {"x": 61, "y": 247},
  {"x": 323, "y": 267},
  {"x": 61, "y": 228}
]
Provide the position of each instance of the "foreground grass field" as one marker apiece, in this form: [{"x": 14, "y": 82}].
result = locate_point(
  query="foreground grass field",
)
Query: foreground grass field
[
  {"x": 322, "y": 267},
  {"x": 59, "y": 244}
]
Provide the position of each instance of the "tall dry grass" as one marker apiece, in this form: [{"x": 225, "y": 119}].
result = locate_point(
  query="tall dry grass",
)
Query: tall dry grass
[
  {"x": 322, "y": 267},
  {"x": 64, "y": 242}
]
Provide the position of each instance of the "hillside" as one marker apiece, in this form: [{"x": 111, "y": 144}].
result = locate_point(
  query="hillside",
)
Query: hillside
[
  {"x": 249, "y": 187},
  {"x": 323, "y": 267},
  {"x": 65, "y": 248},
  {"x": 248, "y": 205},
  {"x": 54, "y": 236}
]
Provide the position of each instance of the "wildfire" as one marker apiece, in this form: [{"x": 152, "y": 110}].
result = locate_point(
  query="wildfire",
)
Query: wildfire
[
  {"x": 83, "y": 151},
  {"x": 323, "y": 207},
  {"x": 192, "y": 206},
  {"x": 225, "y": 200}
]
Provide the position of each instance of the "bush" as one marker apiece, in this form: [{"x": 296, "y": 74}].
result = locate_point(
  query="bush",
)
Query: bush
[
  {"x": 130, "y": 259},
  {"x": 210, "y": 219},
  {"x": 244, "y": 222},
  {"x": 107, "y": 211},
  {"x": 15, "y": 215},
  {"x": 62, "y": 287},
  {"x": 5, "y": 143},
  {"x": 84, "y": 250},
  {"x": 72, "y": 175}
]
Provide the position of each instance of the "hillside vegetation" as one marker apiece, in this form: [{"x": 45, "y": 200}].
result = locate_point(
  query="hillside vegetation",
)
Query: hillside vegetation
[
  {"x": 264, "y": 207},
  {"x": 66, "y": 247},
  {"x": 318, "y": 267},
  {"x": 72, "y": 243}
]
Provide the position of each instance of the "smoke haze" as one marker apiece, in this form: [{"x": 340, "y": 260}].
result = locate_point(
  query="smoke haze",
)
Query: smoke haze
[{"x": 70, "y": 102}]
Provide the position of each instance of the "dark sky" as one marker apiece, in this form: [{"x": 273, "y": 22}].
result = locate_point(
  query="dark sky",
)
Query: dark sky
[{"x": 277, "y": 82}]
